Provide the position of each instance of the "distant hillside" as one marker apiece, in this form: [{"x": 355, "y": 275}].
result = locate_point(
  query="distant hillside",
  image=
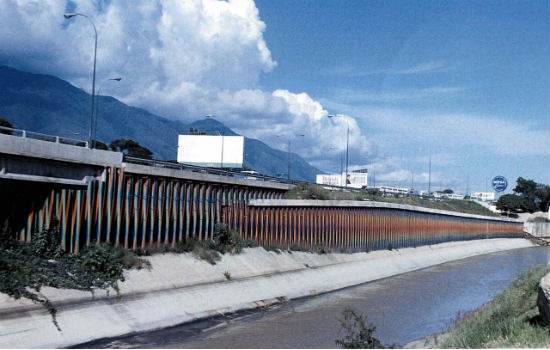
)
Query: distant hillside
[{"x": 49, "y": 105}]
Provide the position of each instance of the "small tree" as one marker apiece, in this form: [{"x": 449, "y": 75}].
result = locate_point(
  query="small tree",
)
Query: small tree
[
  {"x": 543, "y": 193},
  {"x": 527, "y": 190},
  {"x": 100, "y": 145},
  {"x": 6, "y": 124},
  {"x": 358, "y": 335},
  {"x": 510, "y": 203},
  {"x": 131, "y": 148}
]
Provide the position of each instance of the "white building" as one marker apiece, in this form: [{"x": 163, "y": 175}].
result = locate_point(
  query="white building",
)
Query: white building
[
  {"x": 442, "y": 195},
  {"x": 395, "y": 191},
  {"x": 483, "y": 196},
  {"x": 329, "y": 179}
]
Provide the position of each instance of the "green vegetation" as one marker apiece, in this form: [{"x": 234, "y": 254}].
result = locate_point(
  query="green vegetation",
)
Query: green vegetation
[
  {"x": 6, "y": 124},
  {"x": 224, "y": 241},
  {"x": 312, "y": 191},
  {"x": 356, "y": 333},
  {"x": 272, "y": 248},
  {"x": 227, "y": 275},
  {"x": 538, "y": 219},
  {"x": 25, "y": 268},
  {"x": 130, "y": 148},
  {"x": 528, "y": 197},
  {"x": 298, "y": 247},
  {"x": 510, "y": 321}
]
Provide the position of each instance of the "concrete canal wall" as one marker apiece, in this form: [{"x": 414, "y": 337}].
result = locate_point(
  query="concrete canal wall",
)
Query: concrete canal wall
[
  {"x": 180, "y": 288},
  {"x": 537, "y": 229}
]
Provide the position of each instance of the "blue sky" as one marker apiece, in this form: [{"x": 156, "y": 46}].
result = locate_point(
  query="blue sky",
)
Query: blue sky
[
  {"x": 463, "y": 83},
  {"x": 442, "y": 69}
]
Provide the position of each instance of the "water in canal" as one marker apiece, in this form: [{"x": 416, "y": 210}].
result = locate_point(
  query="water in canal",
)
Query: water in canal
[{"x": 403, "y": 308}]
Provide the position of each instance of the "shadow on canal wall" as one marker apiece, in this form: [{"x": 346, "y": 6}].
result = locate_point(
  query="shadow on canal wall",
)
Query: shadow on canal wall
[{"x": 180, "y": 288}]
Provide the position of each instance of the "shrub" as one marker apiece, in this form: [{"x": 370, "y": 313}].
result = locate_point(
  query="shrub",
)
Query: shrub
[
  {"x": 298, "y": 247},
  {"x": 227, "y": 275},
  {"x": 320, "y": 248},
  {"x": 204, "y": 251},
  {"x": 272, "y": 248},
  {"x": 27, "y": 267},
  {"x": 357, "y": 334}
]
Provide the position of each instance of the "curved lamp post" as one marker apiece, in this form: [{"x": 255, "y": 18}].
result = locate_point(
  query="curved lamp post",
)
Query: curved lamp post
[
  {"x": 71, "y": 15},
  {"x": 94, "y": 136},
  {"x": 347, "y": 147}
]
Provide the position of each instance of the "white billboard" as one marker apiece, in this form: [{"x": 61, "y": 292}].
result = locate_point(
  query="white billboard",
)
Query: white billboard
[
  {"x": 357, "y": 180},
  {"x": 354, "y": 180},
  {"x": 329, "y": 179},
  {"x": 211, "y": 151}
]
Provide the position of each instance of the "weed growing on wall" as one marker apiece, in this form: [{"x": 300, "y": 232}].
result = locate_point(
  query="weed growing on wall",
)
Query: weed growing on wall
[{"x": 25, "y": 268}]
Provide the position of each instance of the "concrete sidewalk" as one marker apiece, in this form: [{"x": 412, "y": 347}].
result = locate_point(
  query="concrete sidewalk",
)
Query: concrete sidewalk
[{"x": 180, "y": 288}]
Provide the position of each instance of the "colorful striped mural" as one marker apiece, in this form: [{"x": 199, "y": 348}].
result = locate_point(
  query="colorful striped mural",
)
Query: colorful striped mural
[
  {"x": 365, "y": 226},
  {"x": 136, "y": 209}
]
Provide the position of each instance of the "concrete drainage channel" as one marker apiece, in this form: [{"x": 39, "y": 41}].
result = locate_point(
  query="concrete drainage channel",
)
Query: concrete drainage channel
[{"x": 180, "y": 289}]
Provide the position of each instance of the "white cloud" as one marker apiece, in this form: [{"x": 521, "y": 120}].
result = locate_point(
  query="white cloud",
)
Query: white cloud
[
  {"x": 187, "y": 59},
  {"x": 179, "y": 59},
  {"x": 169, "y": 53},
  {"x": 421, "y": 68},
  {"x": 483, "y": 134},
  {"x": 358, "y": 96}
]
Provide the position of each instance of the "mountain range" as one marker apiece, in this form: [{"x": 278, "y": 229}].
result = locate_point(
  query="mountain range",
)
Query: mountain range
[{"x": 49, "y": 105}]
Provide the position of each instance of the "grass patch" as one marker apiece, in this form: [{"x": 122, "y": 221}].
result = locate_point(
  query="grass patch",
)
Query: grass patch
[
  {"x": 298, "y": 247},
  {"x": 511, "y": 320},
  {"x": 272, "y": 248},
  {"x": 313, "y": 191}
]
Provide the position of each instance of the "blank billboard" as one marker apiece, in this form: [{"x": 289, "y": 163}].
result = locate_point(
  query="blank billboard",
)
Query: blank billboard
[{"x": 211, "y": 151}]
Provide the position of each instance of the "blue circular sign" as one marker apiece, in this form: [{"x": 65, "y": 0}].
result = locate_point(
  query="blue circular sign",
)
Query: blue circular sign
[{"x": 499, "y": 183}]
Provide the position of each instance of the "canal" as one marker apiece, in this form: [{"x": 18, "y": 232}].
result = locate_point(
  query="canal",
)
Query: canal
[{"x": 403, "y": 308}]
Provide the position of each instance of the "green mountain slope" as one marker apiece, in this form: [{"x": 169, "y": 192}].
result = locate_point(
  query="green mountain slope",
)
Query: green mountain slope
[{"x": 49, "y": 105}]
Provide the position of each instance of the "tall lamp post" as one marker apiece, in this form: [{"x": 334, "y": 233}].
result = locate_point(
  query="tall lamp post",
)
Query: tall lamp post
[
  {"x": 347, "y": 147},
  {"x": 288, "y": 162},
  {"x": 71, "y": 15},
  {"x": 94, "y": 136}
]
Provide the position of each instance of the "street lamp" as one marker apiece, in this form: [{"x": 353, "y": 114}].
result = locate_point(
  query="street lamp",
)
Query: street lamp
[
  {"x": 94, "y": 136},
  {"x": 288, "y": 163},
  {"x": 71, "y": 15},
  {"x": 347, "y": 147}
]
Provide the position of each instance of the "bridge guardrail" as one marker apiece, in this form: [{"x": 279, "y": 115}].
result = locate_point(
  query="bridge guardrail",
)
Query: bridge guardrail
[
  {"x": 213, "y": 171},
  {"x": 147, "y": 162},
  {"x": 42, "y": 137}
]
